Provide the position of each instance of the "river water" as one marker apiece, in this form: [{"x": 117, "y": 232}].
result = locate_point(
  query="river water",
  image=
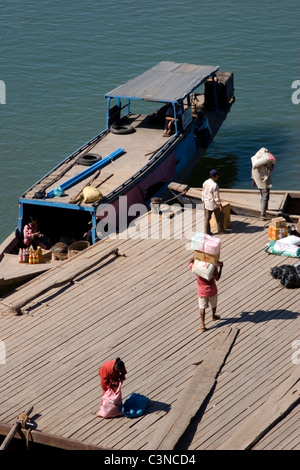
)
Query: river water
[{"x": 59, "y": 58}]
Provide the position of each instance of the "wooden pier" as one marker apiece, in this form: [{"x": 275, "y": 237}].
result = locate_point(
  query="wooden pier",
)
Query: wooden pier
[{"x": 135, "y": 298}]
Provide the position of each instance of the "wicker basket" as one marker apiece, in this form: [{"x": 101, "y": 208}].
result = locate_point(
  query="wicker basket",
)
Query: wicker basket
[
  {"x": 77, "y": 247},
  {"x": 59, "y": 256},
  {"x": 59, "y": 247},
  {"x": 59, "y": 251}
]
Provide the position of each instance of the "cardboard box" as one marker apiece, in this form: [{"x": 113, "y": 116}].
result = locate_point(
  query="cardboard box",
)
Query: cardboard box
[
  {"x": 211, "y": 259},
  {"x": 203, "y": 269},
  {"x": 227, "y": 221},
  {"x": 298, "y": 226},
  {"x": 277, "y": 233},
  {"x": 278, "y": 222}
]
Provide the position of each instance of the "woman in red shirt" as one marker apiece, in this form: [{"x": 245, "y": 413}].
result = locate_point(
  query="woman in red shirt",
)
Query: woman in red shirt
[
  {"x": 208, "y": 293},
  {"x": 111, "y": 374}
]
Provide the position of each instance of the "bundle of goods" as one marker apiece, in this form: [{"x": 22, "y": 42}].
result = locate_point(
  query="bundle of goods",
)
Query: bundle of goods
[
  {"x": 91, "y": 194},
  {"x": 135, "y": 405},
  {"x": 206, "y": 254},
  {"x": 227, "y": 219},
  {"x": 277, "y": 233},
  {"x": 278, "y": 228},
  {"x": 206, "y": 243},
  {"x": 203, "y": 269},
  {"x": 288, "y": 275},
  {"x": 287, "y": 246},
  {"x": 262, "y": 157}
]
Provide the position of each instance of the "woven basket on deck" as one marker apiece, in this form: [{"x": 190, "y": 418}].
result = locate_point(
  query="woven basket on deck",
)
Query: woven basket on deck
[
  {"x": 77, "y": 247},
  {"x": 59, "y": 251},
  {"x": 59, "y": 247},
  {"x": 59, "y": 256}
]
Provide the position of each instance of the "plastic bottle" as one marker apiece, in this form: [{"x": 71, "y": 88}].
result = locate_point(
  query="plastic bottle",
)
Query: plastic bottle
[
  {"x": 40, "y": 255},
  {"x": 20, "y": 255}
]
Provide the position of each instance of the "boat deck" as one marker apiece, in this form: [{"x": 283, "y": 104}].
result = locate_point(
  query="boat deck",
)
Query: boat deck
[
  {"x": 139, "y": 147},
  {"x": 13, "y": 274},
  {"x": 142, "y": 306}
]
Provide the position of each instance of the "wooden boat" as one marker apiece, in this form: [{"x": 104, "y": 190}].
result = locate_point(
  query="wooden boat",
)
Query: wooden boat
[
  {"x": 131, "y": 157},
  {"x": 246, "y": 201}
]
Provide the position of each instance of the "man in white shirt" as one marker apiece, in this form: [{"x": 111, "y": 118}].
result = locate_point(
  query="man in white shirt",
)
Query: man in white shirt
[{"x": 212, "y": 203}]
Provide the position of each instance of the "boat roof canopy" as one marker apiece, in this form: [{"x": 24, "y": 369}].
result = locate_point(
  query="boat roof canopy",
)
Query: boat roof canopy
[{"x": 165, "y": 82}]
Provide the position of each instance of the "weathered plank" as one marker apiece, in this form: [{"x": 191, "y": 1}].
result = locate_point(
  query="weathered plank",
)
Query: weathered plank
[
  {"x": 60, "y": 282},
  {"x": 52, "y": 440},
  {"x": 147, "y": 312},
  {"x": 194, "y": 394},
  {"x": 266, "y": 416}
]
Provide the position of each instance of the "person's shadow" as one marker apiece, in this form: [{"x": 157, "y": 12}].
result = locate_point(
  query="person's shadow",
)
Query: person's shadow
[
  {"x": 259, "y": 316},
  {"x": 237, "y": 226},
  {"x": 154, "y": 406}
]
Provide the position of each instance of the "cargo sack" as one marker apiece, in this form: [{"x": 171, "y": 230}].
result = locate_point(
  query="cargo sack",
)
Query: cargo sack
[
  {"x": 135, "y": 405},
  {"x": 111, "y": 405},
  {"x": 289, "y": 276},
  {"x": 262, "y": 157},
  {"x": 284, "y": 250},
  {"x": 91, "y": 194},
  {"x": 203, "y": 269},
  {"x": 291, "y": 240}
]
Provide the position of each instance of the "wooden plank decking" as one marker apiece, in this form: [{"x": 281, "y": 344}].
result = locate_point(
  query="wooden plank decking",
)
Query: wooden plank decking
[{"x": 143, "y": 307}]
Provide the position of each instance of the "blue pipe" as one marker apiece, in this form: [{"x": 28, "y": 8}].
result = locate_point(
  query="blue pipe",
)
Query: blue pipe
[{"x": 96, "y": 166}]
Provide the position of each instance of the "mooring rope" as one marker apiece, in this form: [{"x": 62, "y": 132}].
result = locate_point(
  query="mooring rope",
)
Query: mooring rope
[
  {"x": 23, "y": 418},
  {"x": 175, "y": 197}
]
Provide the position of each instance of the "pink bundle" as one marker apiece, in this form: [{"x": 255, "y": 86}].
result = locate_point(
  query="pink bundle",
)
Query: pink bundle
[
  {"x": 206, "y": 243},
  {"x": 262, "y": 157},
  {"x": 111, "y": 405}
]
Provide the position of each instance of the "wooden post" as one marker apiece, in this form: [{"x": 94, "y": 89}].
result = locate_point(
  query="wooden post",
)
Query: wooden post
[{"x": 16, "y": 427}]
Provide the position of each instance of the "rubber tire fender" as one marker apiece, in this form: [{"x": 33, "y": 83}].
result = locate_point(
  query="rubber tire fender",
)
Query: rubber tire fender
[
  {"x": 89, "y": 159},
  {"x": 122, "y": 129}
]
